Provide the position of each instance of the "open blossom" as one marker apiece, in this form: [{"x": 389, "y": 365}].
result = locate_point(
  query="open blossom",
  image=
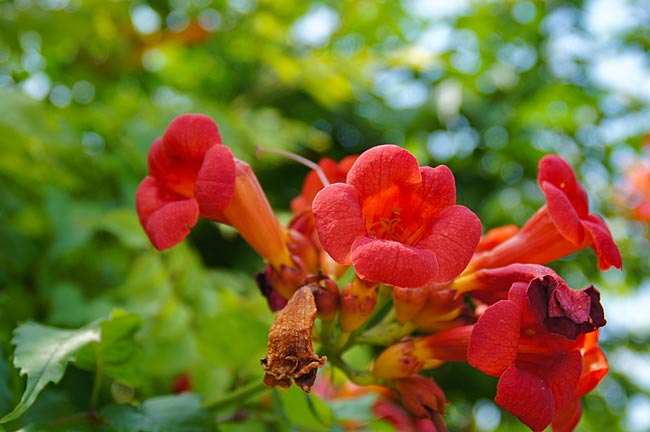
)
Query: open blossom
[
  {"x": 560, "y": 227},
  {"x": 396, "y": 222},
  {"x": 533, "y": 342},
  {"x": 190, "y": 174}
]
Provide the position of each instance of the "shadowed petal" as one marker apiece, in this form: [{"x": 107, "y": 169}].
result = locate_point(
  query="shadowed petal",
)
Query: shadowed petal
[
  {"x": 526, "y": 396},
  {"x": 565, "y": 311},
  {"x": 562, "y": 376},
  {"x": 568, "y": 417},
  {"x": 175, "y": 175}
]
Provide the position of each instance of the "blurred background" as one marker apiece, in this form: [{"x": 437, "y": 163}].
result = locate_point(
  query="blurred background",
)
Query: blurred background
[{"x": 485, "y": 87}]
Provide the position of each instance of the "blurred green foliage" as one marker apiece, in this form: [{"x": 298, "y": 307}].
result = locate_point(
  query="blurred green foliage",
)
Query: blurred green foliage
[{"x": 86, "y": 85}]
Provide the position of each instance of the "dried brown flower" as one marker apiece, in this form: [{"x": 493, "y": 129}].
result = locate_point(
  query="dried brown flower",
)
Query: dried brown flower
[{"x": 290, "y": 353}]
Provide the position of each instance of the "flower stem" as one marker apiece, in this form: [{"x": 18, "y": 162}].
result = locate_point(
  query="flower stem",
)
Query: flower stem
[
  {"x": 238, "y": 396},
  {"x": 357, "y": 376},
  {"x": 385, "y": 334},
  {"x": 99, "y": 372}
]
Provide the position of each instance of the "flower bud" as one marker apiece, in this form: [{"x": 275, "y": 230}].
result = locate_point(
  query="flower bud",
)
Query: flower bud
[{"x": 358, "y": 300}]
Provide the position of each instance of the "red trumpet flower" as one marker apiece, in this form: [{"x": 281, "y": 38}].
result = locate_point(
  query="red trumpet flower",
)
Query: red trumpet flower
[
  {"x": 532, "y": 343},
  {"x": 190, "y": 174},
  {"x": 560, "y": 227},
  {"x": 395, "y": 222}
]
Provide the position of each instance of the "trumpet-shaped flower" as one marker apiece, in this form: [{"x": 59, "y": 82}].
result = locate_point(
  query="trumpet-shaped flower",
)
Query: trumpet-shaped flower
[
  {"x": 560, "y": 227},
  {"x": 492, "y": 284},
  {"x": 531, "y": 342},
  {"x": 190, "y": 175},
  {"x": 396, "y": 222}
]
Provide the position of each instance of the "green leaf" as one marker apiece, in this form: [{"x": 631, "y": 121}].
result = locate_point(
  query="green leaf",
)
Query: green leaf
[
  {"x": 123, "y": 224},
  {"x": 304, "y": 411},
  {"x": 162, "y": 414},
  {"x": 357, "y": 409},
  {"x": 42, "y": 353},
  {"x": 126, "y": 418},
  {"x": 118, "y": 349},
  {"x": 245, "y": 346},
  {"x": 5, "y": 391},
  {"x": 36, "y": 427}
]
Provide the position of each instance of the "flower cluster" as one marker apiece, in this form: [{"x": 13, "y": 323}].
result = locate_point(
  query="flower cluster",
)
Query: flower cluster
[{"x": 381, "y": 254}]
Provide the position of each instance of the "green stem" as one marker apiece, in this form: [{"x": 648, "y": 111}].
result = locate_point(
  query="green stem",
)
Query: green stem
[
  {"x": 385, "y": 333},
  {"x": 99, "y": 373},
  {"x": 357, "y": 376},
  {"x": 238, "y": 396},
  {"x": 326, "y": 331}
]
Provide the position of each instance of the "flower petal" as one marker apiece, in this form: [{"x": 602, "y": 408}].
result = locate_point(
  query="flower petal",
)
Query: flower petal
[
  {"x": 563, "y": 213},
  {"x": 526, "y": 396},
  {"x": 560, "y": 374},
  {"x": 594, "y": 364},
  {"x": 189, "y": 136},
  {"x": 438, "y": 188},
  {"x": 453, "y": 239},
  {"x": 568, "y": 417},
  {"x": 495, "y": 338},
  {"x": 608, "y": 253},
  {"x": 392, "y": 263},
  {"x": 215, "y": 182},
  {"x": 381, "y": 167},
  {"x": 565, "y": 311},
  {"x": 556, "y": 171},
  {"x": 176, "y": 175},
  {"x": 495, "y": 237},
  {"x": 165, "y": 216},
  {"x": 337, "y": 213}
]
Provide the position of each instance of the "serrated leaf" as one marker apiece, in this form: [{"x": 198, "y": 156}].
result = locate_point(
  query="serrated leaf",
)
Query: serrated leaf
[
  {"x": 43, "y": 353},
  {"x": 161, "y": 414}
]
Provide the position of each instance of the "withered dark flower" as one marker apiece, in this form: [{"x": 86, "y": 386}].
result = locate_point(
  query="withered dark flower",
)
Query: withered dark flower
[{"x": 290, "y": 353}]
